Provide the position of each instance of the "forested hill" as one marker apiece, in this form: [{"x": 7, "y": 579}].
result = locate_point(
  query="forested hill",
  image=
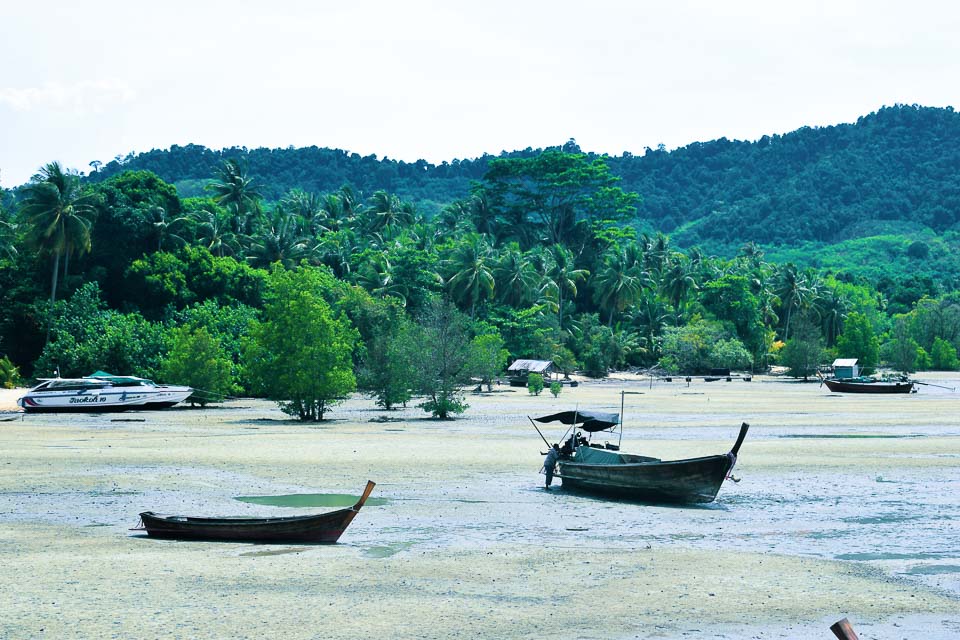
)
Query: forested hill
[{"x": 896, "y": 170}]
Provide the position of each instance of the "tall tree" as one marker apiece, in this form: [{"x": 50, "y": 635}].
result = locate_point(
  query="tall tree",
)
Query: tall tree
[
  {"x": 562, "y": 276},
  {"x": 236, "y": 191},
  {"x": 56, "y": 214},
  {"x": 620, "y": 281},
  {"x": 858, "y": 340},
  {"x": 301, "y": 354},
  {"x": 471, "y": 263},
  {"x": 561, "y": 194},
  {"x": 439, "y": 352}
]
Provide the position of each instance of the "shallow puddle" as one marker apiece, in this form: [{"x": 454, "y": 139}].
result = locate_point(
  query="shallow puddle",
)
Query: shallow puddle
[
  {"x": 311, "y": 500},
  {"x": 386, "y": 551},
  {"x": 855, "y": 436},
  {"x": 934, "y": 569}
]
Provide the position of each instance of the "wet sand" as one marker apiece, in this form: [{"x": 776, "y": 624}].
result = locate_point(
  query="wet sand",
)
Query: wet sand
[{"x": 848, "y": 506}]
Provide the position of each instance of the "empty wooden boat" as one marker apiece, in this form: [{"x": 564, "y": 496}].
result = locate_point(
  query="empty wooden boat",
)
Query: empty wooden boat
[{"x": 324, "y": 528}]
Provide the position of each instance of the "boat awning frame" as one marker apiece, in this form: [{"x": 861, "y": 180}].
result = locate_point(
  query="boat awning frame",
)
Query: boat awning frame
[{"x": 590, "y": 421}]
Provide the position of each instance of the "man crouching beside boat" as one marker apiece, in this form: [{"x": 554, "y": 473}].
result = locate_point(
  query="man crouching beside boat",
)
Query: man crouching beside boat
[{"x": 550, "y": 463}]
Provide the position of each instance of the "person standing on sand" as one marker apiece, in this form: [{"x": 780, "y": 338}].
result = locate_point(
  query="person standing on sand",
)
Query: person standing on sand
[{"x": 550, "y": 462}]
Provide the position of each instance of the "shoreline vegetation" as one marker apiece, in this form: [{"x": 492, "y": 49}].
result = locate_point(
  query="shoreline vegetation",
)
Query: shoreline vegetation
[{"x": 839, "y": 512}]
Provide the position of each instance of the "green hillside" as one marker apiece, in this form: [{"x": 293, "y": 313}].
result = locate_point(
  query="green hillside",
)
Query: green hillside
[
  {"x": 794, "y": 249},
  {"x": 898, "y": 167}
]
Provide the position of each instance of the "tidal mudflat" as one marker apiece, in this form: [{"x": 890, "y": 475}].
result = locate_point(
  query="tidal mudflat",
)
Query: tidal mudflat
[{"x": 847, "y": 506}]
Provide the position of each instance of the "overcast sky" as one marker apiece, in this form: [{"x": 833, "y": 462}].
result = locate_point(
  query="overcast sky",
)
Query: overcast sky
[{"x": 84, "y": 81}]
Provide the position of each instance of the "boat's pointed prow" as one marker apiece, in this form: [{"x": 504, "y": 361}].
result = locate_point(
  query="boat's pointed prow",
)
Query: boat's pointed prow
[
  {"x": 366, "y": 494},
  {"x": 744, "y": 427}
]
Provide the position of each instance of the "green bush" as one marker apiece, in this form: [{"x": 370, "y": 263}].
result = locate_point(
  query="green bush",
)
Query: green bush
[
  {"x": 535, "y": 384},
  {"x": 197, "y": 359},
  {"x": 555, "y": 388},
  {"x": 9, "y": 373}
]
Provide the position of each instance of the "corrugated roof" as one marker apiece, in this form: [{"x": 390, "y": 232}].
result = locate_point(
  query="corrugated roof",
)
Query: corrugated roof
[
  {"x": 536, "y": 366},
  {"x": 844, "y": 362}
]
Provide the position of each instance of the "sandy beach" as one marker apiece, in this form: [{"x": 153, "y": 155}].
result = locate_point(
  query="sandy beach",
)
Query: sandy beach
[{"x": 847, "y": 506}]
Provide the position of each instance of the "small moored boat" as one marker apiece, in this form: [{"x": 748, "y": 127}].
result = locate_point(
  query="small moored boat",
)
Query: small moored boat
[
  {"x": 864, "y": 384},
  {"x": 604, "y": 470},
  {"x": 324, "y": 528}
]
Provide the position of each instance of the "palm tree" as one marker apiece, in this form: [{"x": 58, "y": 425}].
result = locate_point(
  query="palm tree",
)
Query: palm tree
[
  {"x": 796, "y": 291},
  {"x": 214, "y": 232},
  {"x": 7, "y": 245},
  {"x": 56, "y": 215},
  {"x": 471, "y": 263},
  {"x": 279, "y": 240},
  {"x": 620, "y": 281},
  {"x": 165, "y": 228},
  {"x": 237, "y": 192},
  {"x": 377, "y": 275},
  {"x": 387, "y": 211},
  {"x": 337, "y": 250},
  {"x": 678, "y": 281},
  {"x": 307, "y": 206},
  {"x": 561, "y": 275},
  {"x": 516, "y": 277}
]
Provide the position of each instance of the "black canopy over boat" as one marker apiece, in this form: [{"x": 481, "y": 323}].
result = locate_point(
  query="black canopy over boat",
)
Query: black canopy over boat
[
  {"x": 324, "y": 528},
  {"x": 605, "y": 470}
]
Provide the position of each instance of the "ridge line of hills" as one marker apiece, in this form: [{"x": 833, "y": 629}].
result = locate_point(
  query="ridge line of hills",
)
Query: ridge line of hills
[{"x": 893, "y": 171}]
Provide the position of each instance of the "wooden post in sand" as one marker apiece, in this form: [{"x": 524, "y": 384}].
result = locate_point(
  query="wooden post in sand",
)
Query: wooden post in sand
[{"x": 843, "y": 630}]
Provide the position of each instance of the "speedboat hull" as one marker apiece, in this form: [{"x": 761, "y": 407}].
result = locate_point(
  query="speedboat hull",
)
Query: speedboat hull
[{"x": 100, "y": 394}]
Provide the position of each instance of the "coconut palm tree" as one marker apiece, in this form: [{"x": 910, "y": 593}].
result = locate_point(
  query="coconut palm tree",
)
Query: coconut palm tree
[
  {"x": 281, "y": 240},
  {"x": 56, "y": 215},
  {"x": 796, "y": 291},
  {"x": 167, "y": 229},
  {"x": 516, "y": 277},
  {"x": 561, "y": 276},
  {"x": 237, "y": 192},
  {"x": 214, "y": 233},
  {"x": 678, "y": 281},
  {"x": 471, "y": 263},
  {"x": 7, "y": 246},
  {"x": 620, "y": 281},
  {"x": 386, "y": 211}
]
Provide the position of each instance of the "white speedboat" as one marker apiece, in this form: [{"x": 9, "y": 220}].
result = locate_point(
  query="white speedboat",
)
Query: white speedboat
[
  {"x": 159, "y": 396},
  {"x": 101, "y": 392}
]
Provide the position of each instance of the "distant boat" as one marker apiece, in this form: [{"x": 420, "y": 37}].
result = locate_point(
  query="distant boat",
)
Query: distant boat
[
  {"x": 604, "y": 470},
  {"x": 864, "y": 384},
  {"x": 324, "y": 528},
  {"x": 100, "y": 392}
]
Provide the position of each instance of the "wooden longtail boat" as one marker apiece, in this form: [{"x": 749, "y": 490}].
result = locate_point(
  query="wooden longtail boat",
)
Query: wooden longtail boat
[
  {"x": 609, "y": 472},
  {"x": 867, "y": 385},
  {"x": 324, "y": 528}
]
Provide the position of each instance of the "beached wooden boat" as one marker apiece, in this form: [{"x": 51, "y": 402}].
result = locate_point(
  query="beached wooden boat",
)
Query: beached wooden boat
[
  {"x": 868, "y": 385},
  {"x": 324, "y": 528},
  {"x": 604, "y": 470}
]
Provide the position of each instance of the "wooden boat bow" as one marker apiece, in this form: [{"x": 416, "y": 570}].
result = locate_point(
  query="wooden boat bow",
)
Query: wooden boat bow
[{"x": 744, "y": 427}]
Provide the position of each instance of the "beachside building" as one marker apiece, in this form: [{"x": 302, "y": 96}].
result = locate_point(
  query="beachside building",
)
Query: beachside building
[
  {"x": 846, "y": 368},
  {"x": 518, "y": 372}
]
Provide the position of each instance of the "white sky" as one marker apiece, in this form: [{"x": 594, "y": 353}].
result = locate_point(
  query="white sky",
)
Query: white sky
[{"x": 438, "y": 80}]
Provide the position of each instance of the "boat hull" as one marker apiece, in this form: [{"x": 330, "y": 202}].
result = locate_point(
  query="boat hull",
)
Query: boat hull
[
  {"x": 86, "y": 402},
  {"x": 103, "y": 400},
  {"x": 691, "y": 481},
  {"x": 324, "y": 528},
  {"x": 842, "y": 386}
]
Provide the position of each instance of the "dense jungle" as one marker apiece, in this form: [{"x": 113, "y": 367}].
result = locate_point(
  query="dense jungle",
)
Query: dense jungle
[{"x": 315, "y": 272}]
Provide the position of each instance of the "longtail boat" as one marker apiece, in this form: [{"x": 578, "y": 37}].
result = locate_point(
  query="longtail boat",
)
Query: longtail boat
[
  {"x": 324, "y": 528},
  {"x": 866, "y": 384},
  {"x": 603, "y": 469}
]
